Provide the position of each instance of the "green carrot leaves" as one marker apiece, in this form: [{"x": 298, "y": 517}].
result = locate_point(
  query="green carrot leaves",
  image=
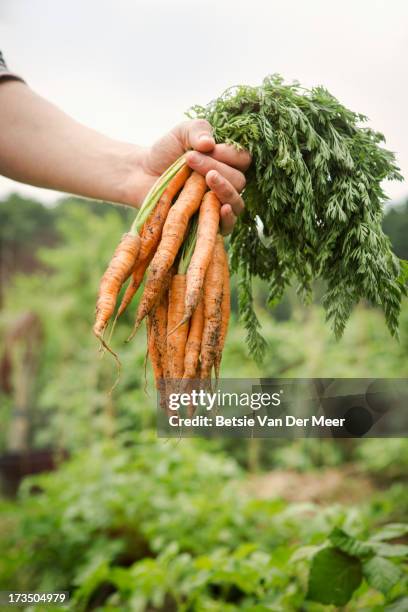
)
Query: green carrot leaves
[{"x": 315, "y": 188}]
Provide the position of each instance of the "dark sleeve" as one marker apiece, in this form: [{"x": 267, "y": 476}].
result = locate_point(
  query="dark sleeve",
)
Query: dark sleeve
[{"x": 5, "y": 73}]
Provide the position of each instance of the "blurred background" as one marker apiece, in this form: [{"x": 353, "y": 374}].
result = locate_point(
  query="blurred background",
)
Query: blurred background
[{"x": 91, "y": 501}]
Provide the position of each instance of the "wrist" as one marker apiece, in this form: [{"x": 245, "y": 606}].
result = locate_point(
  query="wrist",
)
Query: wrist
[{"x": 131, "y": 184}]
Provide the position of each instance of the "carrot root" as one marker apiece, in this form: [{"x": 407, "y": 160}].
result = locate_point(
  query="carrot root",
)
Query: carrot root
[
  {"x": 208, "y": 222},
  {"x": 213, "y": 291},
  {"x": 116, "y": 274},
  {"x": 173, "y": 234}
]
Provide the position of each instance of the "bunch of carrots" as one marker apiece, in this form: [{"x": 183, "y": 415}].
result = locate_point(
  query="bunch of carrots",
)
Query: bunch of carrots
[
  {"x": 314, "y": 206},
  {"x": 175, "y": 246}
]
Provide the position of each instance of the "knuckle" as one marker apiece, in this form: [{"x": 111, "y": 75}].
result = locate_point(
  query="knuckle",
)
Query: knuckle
[
  {"x": 246, "y": 159},
  {"x": 229, "y": 191},
  {"x": 183, "y": 125},
  {"x": 226, "y": 190},
  {"x": 241, "y": 182},
  {"x": 201, "y": 124},
  {"x": 182, "y": 131}
]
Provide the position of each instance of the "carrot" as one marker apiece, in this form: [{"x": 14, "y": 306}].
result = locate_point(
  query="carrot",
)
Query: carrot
[
  {"x": 192, "y": 353},
  {"x": 193, "y": 344},
  {"x": 173, "y": 234},
  {"x": 213, "y": 291},
  {"x": 119, "y": 269},
  {"x": 125, "y": 256},
  {"x": 208, "y": 222},
  {"x": 176, "y": 342},
  {"x": 162, "y": 291},
  {"x": 134, "y": 284},
  {"x": 150, "y": 235},
  {"x": 153, "y": 227},
  {"x": 225, "y": 314},
  {"x": 158, "y": 319},
  {"x": 155, "y": 359}
]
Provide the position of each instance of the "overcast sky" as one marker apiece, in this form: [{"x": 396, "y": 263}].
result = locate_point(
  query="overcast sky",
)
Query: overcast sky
[{"x": 130, "y": 68}]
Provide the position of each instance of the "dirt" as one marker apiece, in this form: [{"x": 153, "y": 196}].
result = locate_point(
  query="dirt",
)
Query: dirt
[{"x": 342, "y": 485}]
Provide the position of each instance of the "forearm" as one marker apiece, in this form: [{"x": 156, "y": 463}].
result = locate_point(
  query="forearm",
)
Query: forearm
[{"x": 42, "y": 146}]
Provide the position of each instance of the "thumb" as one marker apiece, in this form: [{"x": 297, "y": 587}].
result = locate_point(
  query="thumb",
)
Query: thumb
[{"x": 198, "y": 135}]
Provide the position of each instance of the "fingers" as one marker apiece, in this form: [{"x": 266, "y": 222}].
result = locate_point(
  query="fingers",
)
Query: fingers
[
  {"x": 223, "y": 166},
  {"x": 226, "y": 182},
  {"x": 204, "y": 163},
  {"x": 196, "y": 134},
  {"x": 228, "y": 219},
  {"x": 237, "y": 158},
  {"x": 225, "y": 191}
]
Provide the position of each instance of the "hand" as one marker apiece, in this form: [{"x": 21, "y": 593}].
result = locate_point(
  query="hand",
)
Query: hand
[{"x": 222, "y": 165}]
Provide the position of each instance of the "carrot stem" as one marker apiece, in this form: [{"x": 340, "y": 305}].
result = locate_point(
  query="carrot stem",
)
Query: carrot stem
[
  {"x": 154, "y": 195},
  {"x": 188, "y": 247}
]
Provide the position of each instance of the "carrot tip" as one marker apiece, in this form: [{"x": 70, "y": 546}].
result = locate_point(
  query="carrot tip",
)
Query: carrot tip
[
  {"x": 133, "y": 333},
  {"x": 104, "y": 346},
  {"x": 115, "y": 384},
  {"x": 107, "y": 347}
]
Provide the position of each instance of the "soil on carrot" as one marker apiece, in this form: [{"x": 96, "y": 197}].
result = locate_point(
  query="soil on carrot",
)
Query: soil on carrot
[{"x": 341, "y": 484}]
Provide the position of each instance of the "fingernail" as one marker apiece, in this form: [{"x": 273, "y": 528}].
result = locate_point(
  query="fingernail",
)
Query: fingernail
[
  {"x": 214, "y": 177},
  {"x": 205, "y": 137}
]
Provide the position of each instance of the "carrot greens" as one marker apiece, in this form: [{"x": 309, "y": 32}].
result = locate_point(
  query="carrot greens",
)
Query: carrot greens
[{"x": 314, "y": 201}]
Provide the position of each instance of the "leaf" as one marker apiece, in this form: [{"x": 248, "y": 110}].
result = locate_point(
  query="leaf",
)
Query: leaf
[
  {"x": 391, "y": 531},
  {"x": 403, "y": 277},
  {"x": 304, "y": 552},
  {"x": 400, "y": 605},
  {"x": 381, "y": 574},
  {"x": 334, "y": 576},
  {"x": 390, "y": 550},
  {"x": 349, "y": 544},
  {"x": 314, "y": 187}
]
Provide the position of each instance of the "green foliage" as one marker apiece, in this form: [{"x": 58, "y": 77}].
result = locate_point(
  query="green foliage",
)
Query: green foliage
[
  {"x": 381, "y": 574},
  {"x": 134, "y": 523},
  {"x": 385, "y": 459},
  {"x": 73, "y": 379},
  {"x": 22, "y": 219},
  {"x": 334, "y": 576},
  {"x": 144, "y": 524},
  {"x": 313, "y": 200},
  {"x": 338, "y": 569},
  {"x": 395, "y": 224}
]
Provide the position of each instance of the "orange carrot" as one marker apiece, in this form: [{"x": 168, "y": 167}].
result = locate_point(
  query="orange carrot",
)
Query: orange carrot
[
  {"x": 155, "y": 359},
  {"x": 208, "y": 222},
  {"x": 176, "y": 342},
  {"x": 153, "y": 227},
  {"x": 192, "y": 353},
  {"x": 134, "y": 284},
  {"x": 162, "y": 291},
  {"x": 225, "y": 314},
  {"x": 158, "y": 319},
  {"x": 193, "y": 344},
  {"x": 173, "y": 234},
  {"x": 213, "y": 291},
  {"x": 150, "y": 235},
  {"x": 118, "y": 271}
]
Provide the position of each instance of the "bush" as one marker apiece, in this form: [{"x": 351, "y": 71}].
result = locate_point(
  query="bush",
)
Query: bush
[{"x": 147, "y": 524}]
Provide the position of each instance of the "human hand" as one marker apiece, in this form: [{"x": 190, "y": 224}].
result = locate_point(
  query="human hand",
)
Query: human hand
[{"x": 222, "y": 165}]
